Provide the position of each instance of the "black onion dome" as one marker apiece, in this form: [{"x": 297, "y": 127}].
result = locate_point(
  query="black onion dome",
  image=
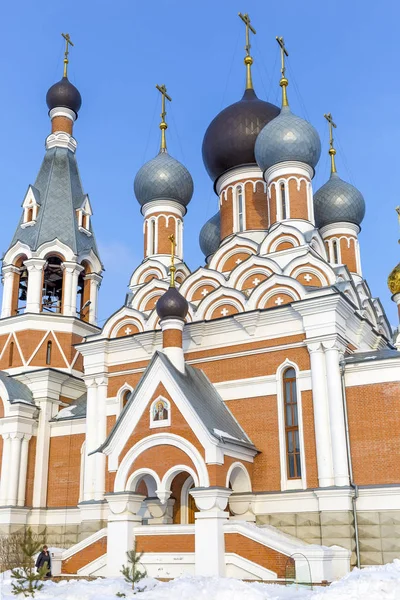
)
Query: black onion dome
[
  {"x": 230, "y": 138},
  {"x": 64, "y": 94},
  {"x": 172, "y": 304}
]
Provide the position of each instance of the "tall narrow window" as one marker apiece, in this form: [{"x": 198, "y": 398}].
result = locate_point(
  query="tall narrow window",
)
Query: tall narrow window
[
  {"x": 240, "y": 208},
  {"x": 153, "y": 237},
  {"x": 335, "y": 252},
  {"x": 125, "y": 397},
  {"x": 283, "y": 201},
  {"x": 11, "y": 355},
  {"x": 48, "y": 353},
  {"x": 291, "y": 425}
]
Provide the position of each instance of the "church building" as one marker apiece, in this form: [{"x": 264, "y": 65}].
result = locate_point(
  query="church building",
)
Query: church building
[{"x": 241, "y": 419}]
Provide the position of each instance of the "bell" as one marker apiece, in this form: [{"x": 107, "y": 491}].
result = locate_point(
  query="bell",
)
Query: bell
[{"x": 22, "y": 295}]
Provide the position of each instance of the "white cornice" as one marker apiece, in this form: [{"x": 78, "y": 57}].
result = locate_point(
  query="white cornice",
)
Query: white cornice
[
  {"x": 340, "y": 228},
  {"x": 288, "y": 168},
  {"x": 61, "y": 139},
  {"x": 163, "y": 205},
  {"x": 238, "y": 174}
]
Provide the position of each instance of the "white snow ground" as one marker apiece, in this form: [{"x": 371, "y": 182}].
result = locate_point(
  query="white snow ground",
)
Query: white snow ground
[{"x": 372, "y": 583}]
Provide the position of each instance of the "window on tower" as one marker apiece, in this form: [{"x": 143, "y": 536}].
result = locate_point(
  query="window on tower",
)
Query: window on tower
[
  {"x": 240, "y": 208},
  {"x": 283, "y": 201},
  {"x": 52, "y": 285},
  {"x": 335, "y": 252},
  {"x": 83, "y": 215},
  {"x": 152, "y": 237},
  {"x": 291, "y": 424},
  {"x": 48, "y": 353}
]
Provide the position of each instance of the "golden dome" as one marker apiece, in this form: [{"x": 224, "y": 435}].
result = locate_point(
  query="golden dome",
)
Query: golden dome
[{"x": 394, "y": 280}]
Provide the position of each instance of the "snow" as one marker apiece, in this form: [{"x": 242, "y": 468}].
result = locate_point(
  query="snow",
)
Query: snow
[{"x": 372, "y": 583}]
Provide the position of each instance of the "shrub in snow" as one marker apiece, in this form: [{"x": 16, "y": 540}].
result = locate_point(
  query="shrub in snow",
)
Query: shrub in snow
[
  {"x": 131, "y": 572},
  {"x": 26, "y": 580}
]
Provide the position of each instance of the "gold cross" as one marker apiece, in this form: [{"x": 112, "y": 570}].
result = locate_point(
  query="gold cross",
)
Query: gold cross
[
  {"x": 332, "y": 151},
  {"x": 163, "y": 126},
  {"x": 284, "y": 53},
  {"x": 172, "y": 268},
  {"x": 67, "y": 43},
  {"x": 246, "y": 20},
  {"x": 248, "y": 61}
]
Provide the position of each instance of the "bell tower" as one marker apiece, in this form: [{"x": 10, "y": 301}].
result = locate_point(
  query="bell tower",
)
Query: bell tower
[{"x": 52, "y": 269}]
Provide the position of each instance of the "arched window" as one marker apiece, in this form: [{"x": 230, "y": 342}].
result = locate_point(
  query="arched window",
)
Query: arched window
[
  {"x": 283, "y": 201},
  {"x": 125, "y": 397},
  {"x": 48, "y": 353},
  {"x": 11, "y": 355},
  {"x": 291, "y": 425},
  {"x": 240, "y": 208},
  {"x": 335, "y": 252},
  {"x": 52, "y": 285}
]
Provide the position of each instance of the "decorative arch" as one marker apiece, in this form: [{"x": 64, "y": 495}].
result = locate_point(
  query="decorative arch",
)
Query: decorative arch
[
  {"x": 275, "y": 285},
  {"x": 149, "y": 266},
  {"x": 56, "y": 248},
  {"x": 240, "y": 246},
  {"x": 161, "y": 439},
  {"x": 218, "y": 298},
  {"x": 149, "y": 476},
  {"x": 13, "y": 254},
  {"x": 127, "y": 326},
  {"x": 238, "y": 478},
  {"x": 122, "y": 316},
  {"x": 280, "y": 233},
  {"x": 173, "y": 472}
]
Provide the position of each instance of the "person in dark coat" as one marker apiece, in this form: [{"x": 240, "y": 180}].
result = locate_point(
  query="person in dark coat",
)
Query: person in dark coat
[{"x": 44, "y": 557}]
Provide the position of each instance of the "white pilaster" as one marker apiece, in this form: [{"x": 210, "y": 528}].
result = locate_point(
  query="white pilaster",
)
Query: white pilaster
[
  {"x": 174, "y": 353},
  {"x": 15, "y": 462},
  {"x": 70, "y": 287},
  {"x": 9, "y": 273},
  {"x": 95, "y": 282},
  {"x": 122, "y": 518},
  {"x": 5, "y": 469},
  {"x": 23, "y": 470},
  {"x": 209, "y": 532},
  {"x": 321, "y": 415},
  {"x": 336, "y": 413},
  {"x": 89, "y": 478},
  {"x": 42, "y": 453},
  {"x": 101, "y": 430},
  {"x": 35, "y": 267}
]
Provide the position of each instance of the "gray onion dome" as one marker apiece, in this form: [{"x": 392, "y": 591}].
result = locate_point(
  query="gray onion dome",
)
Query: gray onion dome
[
  {"x": 163, "y": 178},
  {"x": 210, "y": 235},
  {"x": 64, "y": 95},
  {"x": 287, "y": 138},
  {"x": 172, "y": 304},
  {"x": 338, "y": 202}
]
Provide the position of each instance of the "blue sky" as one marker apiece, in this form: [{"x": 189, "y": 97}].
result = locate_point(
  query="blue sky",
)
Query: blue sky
[{"x": 343, "y": 59}]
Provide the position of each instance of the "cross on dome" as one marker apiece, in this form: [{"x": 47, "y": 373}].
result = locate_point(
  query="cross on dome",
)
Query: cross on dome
[
  {"x": 163, "y": 125},
  {"x": 68, "y": 43},
  {"x": 248, "y": 61},
  {"x": 332, "y": 150}
]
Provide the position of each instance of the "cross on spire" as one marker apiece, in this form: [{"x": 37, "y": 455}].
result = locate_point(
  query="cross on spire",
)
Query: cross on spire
[
  {"x": 172, "y": 268},
  {"x": 163, "y": 126},
  {"x": 283, "y": 82},
  {"x": 248, "y": 61},
  {"x": 332, "y": 151},
  {"x": 68, "y": 43}
]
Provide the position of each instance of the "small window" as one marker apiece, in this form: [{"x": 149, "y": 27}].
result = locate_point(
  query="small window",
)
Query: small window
[
  {"x": 11, "y": 355},
  {"x": 48, "y": 353},
  {"x": 125, "y": 397},
  {"x": 291, "y": 425},
  {"x": 240, "y": 208},
  {"x": 152, "y": 237},
  {"x": 335, "y": 252},
  {"x": 283, "y": 201}
]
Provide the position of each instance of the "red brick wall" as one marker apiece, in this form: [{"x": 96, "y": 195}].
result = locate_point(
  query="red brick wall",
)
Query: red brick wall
[
  {"x": 258, "y": 553},
  {"x": 64, "y": 470},
  {"x": 85, "y": 556}
]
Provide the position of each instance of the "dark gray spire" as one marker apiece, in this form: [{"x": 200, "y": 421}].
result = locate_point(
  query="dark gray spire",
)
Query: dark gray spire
[{"x": 58, "y": 191}]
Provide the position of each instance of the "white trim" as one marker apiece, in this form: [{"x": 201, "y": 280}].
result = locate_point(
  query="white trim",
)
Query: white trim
[
  {"x": 242, "y": 468},
  {"x": 185, "y": 500},
  {"x": 140, "y": 474},
  {"x": 253, "y": 174},
  {"x": 287, "y": 483}
]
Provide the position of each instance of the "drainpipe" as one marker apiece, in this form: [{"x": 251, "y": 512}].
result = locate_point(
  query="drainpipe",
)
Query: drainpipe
[{"x": 342, "y": 365}]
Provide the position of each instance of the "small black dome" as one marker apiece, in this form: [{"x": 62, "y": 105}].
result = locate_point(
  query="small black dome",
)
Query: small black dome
[
  {"x": 230, "y": 138},
  {"x": 64, "y": 94},
  {"x": 172, "y": 304}
]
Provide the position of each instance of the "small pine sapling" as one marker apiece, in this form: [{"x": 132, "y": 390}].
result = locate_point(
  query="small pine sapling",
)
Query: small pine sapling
[
  {"x": 27, "y": 580},
  {"x": 131, "y": 572}
]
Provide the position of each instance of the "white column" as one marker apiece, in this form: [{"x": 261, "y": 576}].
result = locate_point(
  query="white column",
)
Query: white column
[
  {"x": 9, "y": 273},
  {"x": 42, "y": 453},
  {"x": 5, "y": 469},
  {"x": 15, "y": 462},
  {"x": 23, "y": 470},
  {"x": 95, "y": 282},
  {"x": 321, "y": 415},
  {"x": 209, "y": 530},
  {"x": 336, "y": 414},
  {"x": 91, "y": 441},
  {"x": 35, "y": 268},
  {"x": 122, "y": 518},
  {"x": 101, "y": 430},
  {"x": 74, "y": 288}
]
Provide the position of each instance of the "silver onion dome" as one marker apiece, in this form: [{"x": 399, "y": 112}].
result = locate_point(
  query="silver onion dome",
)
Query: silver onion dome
[
  {"x": 287, "y": 138},
  {"x": 338, "y": 202},
  {"x": 210, "y": 235},
  {"x": 163, "y": 177}
]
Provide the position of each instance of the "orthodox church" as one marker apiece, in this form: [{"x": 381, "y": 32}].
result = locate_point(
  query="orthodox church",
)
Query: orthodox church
[{"x": 239, "y": 420}]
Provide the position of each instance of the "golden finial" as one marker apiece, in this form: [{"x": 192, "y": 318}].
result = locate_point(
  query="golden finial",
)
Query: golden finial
[
  {"x": 67, "y": 44},
  {"x": 248, "y": 61},
  {"x": 332, "y": 150},
  {"x": 172, "y": 268},
  {"x": 283, "y": 82},
  {"x": 163, "y": 126}
]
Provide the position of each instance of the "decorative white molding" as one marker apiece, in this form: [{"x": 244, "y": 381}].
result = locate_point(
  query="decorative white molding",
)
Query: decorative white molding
[{"x": 61, "y": 139}]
